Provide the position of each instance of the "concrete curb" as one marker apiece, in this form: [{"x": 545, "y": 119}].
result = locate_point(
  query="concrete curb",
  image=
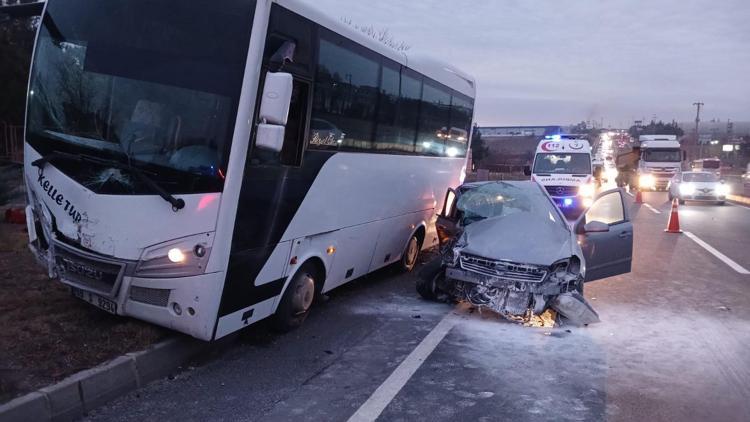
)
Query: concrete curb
[
  {"x": 70, "y": 398},
  {"x": 739, "y": 199}
]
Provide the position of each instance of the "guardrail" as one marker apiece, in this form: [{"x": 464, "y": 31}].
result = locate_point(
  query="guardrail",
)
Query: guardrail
[
  {"x": 481, "y": 176},
  {"x": 11, "y": 142}
]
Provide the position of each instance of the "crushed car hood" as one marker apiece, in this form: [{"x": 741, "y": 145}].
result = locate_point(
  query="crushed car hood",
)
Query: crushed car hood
[{"x": 523, "y": 238}]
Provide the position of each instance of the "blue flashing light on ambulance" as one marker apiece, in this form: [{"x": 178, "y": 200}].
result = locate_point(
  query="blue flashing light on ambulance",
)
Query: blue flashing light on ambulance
[{"x": 563, "y": 166}]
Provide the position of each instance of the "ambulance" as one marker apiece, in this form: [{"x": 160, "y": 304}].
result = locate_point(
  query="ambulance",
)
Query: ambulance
[{"x": 563, "y": 166}]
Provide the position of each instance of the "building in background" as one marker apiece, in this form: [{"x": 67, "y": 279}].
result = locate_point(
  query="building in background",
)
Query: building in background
[{"x": 512, "y": 147}]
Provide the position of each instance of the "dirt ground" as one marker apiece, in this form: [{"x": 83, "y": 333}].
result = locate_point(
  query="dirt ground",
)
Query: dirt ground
[{"x": 45, "y": 333}]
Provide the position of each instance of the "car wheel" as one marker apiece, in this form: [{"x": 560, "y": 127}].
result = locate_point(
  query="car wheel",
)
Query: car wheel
[
  {"x": 681, "y": 201},
  {"x": 410, "y": 254},
  {"x": 671, "y": 198},
  {"x": 721, "y": 203},
  {"x": 297, "y": 300},
  {"x": 579, "y": 287},
  {"x": 428, "y": 288}
]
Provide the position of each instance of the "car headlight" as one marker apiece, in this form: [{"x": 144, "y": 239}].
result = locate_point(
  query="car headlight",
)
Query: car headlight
[
  {"x": 723, "y": 190},
  {"x": 182, "y": 257},
  {"x": 587, "y": 190},
  {"x": 566, "y": 270},
  {"x": 612, "y": 173},
  {"x": 687, "y": 189},
  {"x": 646, "y": 181}
]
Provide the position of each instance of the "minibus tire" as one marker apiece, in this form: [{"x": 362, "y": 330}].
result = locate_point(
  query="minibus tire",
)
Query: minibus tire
[
  {"x": 297, "y": 299},
  {"x": 411, "y": 254}
]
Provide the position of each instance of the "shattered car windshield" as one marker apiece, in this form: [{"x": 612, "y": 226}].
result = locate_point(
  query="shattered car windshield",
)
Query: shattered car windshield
[
  {"x": 501, "y": 199},
  {"x": 134, "y": 82}
]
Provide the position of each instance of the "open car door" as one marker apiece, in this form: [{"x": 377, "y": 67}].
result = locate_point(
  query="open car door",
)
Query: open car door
[
  {"x": 446, "y": 224},
  {"x": 605, "y": 234}
]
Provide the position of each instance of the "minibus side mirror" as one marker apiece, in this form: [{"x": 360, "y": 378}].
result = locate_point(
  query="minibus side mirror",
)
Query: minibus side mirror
[
  {"x": 274, "y": 111},
  {"x": 526, "y": 170}
]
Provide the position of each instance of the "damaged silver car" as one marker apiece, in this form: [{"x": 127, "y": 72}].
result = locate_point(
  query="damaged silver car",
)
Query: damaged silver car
[{"x": 505, "y": 246}]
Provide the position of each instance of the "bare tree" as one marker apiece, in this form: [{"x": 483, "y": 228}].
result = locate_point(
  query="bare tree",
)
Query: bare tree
[{"x": 382, "y": 35}]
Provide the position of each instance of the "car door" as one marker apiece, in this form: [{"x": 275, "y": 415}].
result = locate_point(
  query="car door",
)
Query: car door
[
  {"x": 605, "y": 234},
  {"x": 447, "y": 223}
]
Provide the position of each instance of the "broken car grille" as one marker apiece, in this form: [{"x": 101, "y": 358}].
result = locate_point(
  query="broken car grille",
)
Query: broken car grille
[{"x": 503, "y": 269}]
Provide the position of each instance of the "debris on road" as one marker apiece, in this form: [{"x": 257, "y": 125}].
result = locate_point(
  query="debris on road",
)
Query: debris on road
[{"x": 574, "y": 308}]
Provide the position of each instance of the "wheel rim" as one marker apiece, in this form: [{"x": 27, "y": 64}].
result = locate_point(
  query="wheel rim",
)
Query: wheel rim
[
  {"x": 411, "y": 252},
  {"x": 304, "y": 292}
]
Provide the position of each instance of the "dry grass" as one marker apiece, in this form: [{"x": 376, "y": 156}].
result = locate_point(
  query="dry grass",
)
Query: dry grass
[{"x": 45, "y": 333}]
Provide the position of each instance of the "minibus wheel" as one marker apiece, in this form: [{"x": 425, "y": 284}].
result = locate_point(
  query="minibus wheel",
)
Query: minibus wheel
[
  {"x": 410, "y": 255},
  {"x": 297, "y": 300}
]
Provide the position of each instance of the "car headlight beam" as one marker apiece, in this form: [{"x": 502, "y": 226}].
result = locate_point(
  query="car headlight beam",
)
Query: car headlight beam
[
  {"x": 646, "y": 181},
  {"x": 687, "y": 189},
  {"x": 587, "y": 190}
]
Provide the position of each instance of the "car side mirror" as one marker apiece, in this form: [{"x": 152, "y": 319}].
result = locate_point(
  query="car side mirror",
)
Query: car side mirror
[
  {"x": 274, "y": 111},
  {"x": 527, "y": 170},
  {"x": 595, "y": 227}
]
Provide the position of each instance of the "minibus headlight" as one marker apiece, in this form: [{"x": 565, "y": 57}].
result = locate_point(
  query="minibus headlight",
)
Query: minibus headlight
[{"x": 182, "y": 257}]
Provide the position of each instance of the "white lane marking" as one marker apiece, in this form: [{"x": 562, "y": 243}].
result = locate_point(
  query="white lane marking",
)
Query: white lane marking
[
  {"x": 733, "y": 265},
  {"x": 735, "y": 204},
  {"x": 374, "y": 406},
  {"x": 652, "y": 209}
]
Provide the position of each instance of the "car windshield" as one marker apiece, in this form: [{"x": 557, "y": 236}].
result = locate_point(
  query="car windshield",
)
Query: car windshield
[
  {"x": 560, "y": 163},
  {"x": 138, "y": 82},
  {"x": 502, "y": 199},
  {"x": 699, "y": 177},
  {"x": 662, "y": 155},
  {"x": 711, "y": 164}
]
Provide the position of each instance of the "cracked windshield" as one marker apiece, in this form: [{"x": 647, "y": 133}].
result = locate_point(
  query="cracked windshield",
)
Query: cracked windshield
[{"x": 329, "y": 210}]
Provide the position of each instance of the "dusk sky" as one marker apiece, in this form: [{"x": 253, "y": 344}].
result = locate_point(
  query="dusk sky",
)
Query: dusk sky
[{"x": 563, "y": 61}]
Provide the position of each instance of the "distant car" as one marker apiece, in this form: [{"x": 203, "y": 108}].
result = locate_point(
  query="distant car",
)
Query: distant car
[
  {"x": 698, "y": 186},
  {"x": 507, "y": 247}
]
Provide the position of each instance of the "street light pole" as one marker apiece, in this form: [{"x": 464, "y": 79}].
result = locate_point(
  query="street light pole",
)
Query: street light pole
[{"x": 698, "y": 105}]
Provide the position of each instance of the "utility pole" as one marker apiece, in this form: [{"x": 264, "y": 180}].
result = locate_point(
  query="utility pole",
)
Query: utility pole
[{"x": 698, "y": 106}]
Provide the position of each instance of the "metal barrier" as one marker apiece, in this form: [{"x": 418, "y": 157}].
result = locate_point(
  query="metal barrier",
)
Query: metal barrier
[
  {"x": 482, "y": 176},
  {"x": 11, "y": 142}
]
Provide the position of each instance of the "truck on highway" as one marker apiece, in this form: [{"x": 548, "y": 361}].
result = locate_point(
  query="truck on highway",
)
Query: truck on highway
[
  {"x": 711, "y": 165},
  {"x": 652, "y": 161},
  {"x": 563, "y": 166}
]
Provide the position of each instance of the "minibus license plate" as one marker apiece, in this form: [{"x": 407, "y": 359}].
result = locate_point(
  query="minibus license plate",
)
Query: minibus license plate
[{"x": 100, "y": 302}]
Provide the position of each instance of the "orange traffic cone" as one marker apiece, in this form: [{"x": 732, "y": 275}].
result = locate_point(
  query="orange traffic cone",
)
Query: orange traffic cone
[
  {"x": 638, "y": 197},
  {"x": 673, "y": 226}
]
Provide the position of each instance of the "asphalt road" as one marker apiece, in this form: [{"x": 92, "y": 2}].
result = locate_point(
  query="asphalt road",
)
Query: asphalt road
[{"x": 672, "y": 346}]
